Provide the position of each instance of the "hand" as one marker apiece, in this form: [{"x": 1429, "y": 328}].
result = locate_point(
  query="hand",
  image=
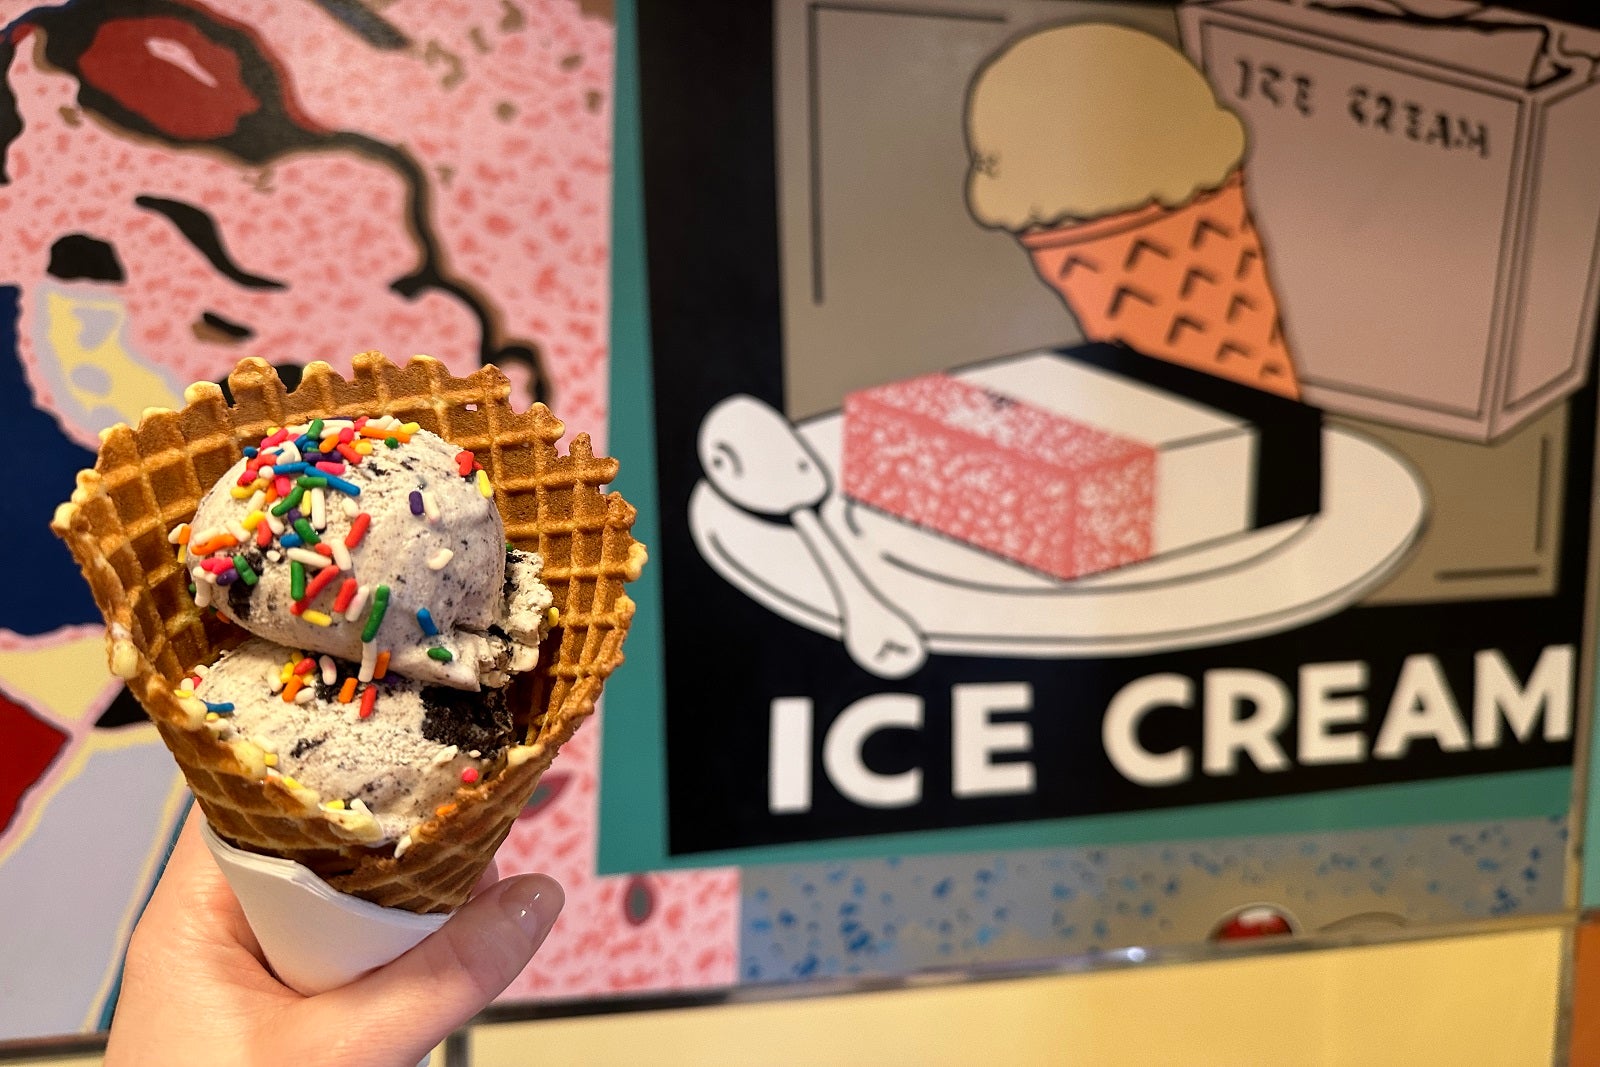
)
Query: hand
[{"x": 195, "y": 989}]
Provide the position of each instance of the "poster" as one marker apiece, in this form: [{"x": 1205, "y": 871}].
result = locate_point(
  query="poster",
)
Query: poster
[
  {"x": 1338, "y": 606},
  {"x": 1125, "y": 469}
]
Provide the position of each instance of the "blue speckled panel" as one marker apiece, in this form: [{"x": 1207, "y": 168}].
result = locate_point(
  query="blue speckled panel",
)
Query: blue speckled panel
[{"x": 892, "y": 916}]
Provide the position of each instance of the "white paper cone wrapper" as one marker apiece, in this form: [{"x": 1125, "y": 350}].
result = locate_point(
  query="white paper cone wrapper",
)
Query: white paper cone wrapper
[{"x": 315, "y": 937}]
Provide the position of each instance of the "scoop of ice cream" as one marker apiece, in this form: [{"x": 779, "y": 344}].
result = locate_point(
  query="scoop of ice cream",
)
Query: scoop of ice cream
[
  {"x": 1082, "y": 121},
  {"x": 381, "y": 755},
  {"x": 364, "y": 538}
]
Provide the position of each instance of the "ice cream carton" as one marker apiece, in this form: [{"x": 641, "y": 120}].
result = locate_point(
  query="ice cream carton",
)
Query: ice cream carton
[{"x": 1425, "y": 192}]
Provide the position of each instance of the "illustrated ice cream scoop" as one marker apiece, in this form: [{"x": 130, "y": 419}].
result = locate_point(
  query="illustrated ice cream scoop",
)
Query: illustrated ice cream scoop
[
  {"x": 366, "y": 537},
  {"x": 1109, "y": 157}
]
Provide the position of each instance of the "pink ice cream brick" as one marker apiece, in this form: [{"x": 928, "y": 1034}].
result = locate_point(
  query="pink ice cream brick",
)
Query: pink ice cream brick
[{"x": 997, "y": 473}]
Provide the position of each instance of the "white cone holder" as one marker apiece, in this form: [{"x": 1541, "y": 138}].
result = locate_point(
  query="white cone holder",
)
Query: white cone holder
[{"x": 315, "y": 937}]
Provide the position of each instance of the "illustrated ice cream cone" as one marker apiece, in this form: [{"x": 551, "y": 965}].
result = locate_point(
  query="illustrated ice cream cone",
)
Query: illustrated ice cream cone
[
  {"x": 1109, "y": 158},
  {"x": 149, "y": 478},
  {"x": 1187, "y": 284}
]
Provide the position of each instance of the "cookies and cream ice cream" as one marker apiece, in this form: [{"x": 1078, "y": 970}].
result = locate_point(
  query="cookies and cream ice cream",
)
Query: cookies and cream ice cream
[
  {"x": 367, "y": 537},
  {"x": 370, "y": 782},
  {"x": 368, "y": 560},
  {"x": 380, "y": 756},
  {"x": 1077, "y": 122}
]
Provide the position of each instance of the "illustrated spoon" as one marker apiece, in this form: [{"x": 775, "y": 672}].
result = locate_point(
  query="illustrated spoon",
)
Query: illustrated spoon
[{"x": 754, "y": 458}]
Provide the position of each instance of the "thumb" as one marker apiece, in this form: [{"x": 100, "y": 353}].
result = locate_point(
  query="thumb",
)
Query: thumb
[{"x": 400, "y": 1011}]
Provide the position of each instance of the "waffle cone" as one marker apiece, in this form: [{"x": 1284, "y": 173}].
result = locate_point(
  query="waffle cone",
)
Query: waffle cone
[
  {"x": 1186, "y": 284},
  {"x": 148, "y": 479}
]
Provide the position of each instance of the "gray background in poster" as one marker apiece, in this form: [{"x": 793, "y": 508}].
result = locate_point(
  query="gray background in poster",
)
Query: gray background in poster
[{"x": 884, "y": 273}]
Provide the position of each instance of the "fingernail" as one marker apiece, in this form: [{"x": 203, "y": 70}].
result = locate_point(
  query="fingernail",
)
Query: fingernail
[{"x": 533, "y": 901}]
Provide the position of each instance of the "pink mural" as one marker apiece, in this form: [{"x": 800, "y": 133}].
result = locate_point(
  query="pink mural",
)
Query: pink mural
[
  {"x": 617, "y": 934},
  {"x": 185, "y": 184}
]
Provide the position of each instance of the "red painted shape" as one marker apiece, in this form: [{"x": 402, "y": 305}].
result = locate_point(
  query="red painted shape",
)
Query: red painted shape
[
  {"x": 286, "y": 100},
  {"x": 28, "y": 745},
  {"x": 1247, "y": 924},
  {"x": 170, "y": 74}
]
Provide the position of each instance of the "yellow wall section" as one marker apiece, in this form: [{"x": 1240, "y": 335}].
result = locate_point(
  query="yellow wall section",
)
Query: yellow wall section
[
  {"x": 1489, "y": 999},
  {"x": 64, "y": 677}
]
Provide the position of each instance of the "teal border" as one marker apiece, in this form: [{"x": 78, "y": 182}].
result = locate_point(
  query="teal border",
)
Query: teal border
[
  {"x": 633, "y": 808},
  {"x": 1589, "y": 858},
  {"x": 633, "y": 829}
]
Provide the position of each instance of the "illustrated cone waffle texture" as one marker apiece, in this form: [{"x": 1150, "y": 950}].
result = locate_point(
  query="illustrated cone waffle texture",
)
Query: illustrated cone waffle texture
[
  {"x": 1187, "y": 284},
  {"x": 150, "y": 478}
]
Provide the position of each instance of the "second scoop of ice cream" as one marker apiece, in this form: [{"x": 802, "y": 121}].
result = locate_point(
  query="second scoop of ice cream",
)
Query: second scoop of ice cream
[
  {"x": 382, "y": 756},
  {"x": 360, "y": 538}
]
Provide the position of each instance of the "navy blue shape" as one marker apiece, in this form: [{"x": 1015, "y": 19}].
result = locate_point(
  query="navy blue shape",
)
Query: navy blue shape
[
  {"x": 371, "y": 27},
  {"x": 43, "y": 589}
]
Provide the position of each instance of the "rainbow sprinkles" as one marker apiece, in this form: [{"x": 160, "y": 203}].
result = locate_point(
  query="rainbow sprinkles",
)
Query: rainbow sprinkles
[
  {"x": 367, "y": 559},
  {"x": 292, "y": 483}
]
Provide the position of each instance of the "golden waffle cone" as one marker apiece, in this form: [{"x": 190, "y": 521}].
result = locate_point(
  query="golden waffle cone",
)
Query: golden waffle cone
[
  {"x": 1186, "y": 284},
  {"x": 146, "y": 480}
]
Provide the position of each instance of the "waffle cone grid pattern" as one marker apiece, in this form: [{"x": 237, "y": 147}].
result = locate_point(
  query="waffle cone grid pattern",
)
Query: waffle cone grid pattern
[
  {"x": 1186, "y": 284},
  {"x": 149, "y": 479}
]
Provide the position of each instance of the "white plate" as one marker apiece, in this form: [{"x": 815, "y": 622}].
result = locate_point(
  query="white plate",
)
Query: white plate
[{"x": 968, "y": 602}]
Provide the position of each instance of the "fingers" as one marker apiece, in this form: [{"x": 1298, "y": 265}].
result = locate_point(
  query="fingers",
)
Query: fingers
[
  {"x": 192, "y": 887},
  {"x": 193, "y": 968},
  {"x": 400, "y": 1011}
]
